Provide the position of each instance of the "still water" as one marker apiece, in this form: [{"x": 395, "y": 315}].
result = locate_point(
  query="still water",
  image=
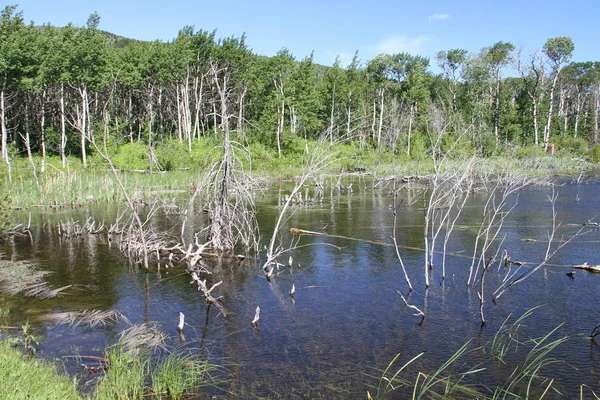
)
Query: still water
[{"x": 346, "y": 322}]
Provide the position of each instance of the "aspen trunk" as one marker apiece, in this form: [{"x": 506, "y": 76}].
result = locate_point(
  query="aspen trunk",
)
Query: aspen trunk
[{"x": 63, "y": 131}]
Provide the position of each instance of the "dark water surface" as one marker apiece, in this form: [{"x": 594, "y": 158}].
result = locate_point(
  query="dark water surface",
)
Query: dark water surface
[{"x": 346, "y": 321}]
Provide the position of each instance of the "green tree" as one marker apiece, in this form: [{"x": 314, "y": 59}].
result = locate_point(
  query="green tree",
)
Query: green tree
[
  {"x": 559, "y": 51},
  {"x": 451, "y": 62},
  {"x": 11, "y": 67},
  {"x": 496, "y": 57}
]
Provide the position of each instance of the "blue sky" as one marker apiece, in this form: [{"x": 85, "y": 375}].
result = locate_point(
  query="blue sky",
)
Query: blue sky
[{"x": 331, "y": 28}]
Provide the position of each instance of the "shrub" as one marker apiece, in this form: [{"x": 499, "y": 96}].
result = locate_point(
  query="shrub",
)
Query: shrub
[
  {"x": 529, "y": 152},
  {"x": 132, "y": 156},
  {"x": 571, "y": 146},
  {"x": 595, "y": 153}
]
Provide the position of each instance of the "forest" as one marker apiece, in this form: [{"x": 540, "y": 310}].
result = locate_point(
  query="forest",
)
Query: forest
[{"x": 61, "y": 89}]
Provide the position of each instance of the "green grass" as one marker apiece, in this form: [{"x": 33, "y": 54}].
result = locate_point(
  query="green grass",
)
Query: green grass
[
  {"x": 125, "y": 378},
  {"x": 74, "y": 185},
  {"x": 179, "y": 374},
  {"x": 22, "y": 377}
]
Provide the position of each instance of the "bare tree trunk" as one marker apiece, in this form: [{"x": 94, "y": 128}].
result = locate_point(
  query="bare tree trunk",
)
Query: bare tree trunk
[
  {"x": 43, "y": 130},
  {"x": 63, "y": 130},
  {"x": 497, "y": 111},
  {"x": 550, "y": 109},
  {"x": 536, "y": 128},
  {"x": 331, "y": 116},
  {"x": 374, "y": 118},
  {"x": 81, "y": 123},
  {"x": 240, "y": 124},
  {"x": 28, "y": 146},
  {"x": 179, "y": 116},
  {"x": 381, "y": 93},
  {"x": 4, "y": 149},
  {"x": 577, "y": 112},
  {"x": 410, "y": 122},
  {"x": 596, "y": 112}
]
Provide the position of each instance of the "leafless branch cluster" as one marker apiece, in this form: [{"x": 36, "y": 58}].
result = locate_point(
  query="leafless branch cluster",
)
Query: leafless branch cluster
[
  {"x": 317, "y": 160},
  {"x": 207, "y": 292},
  {"x": 226, "y": 192}
]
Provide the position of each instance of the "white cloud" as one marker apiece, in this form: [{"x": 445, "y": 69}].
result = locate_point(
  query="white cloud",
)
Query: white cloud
[
  {"x": 439, "y": 17},
  {"x": 402, "y": 44}
]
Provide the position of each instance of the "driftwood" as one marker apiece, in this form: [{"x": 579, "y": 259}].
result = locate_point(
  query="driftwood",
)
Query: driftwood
[
  {"x": 507, "y": 260},
  {"x": 297, "y": 231},
  {"x": 589, "y": 268}
]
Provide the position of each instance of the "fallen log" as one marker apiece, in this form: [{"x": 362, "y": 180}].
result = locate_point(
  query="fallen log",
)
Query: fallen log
[{"x": 589, "y": 268}]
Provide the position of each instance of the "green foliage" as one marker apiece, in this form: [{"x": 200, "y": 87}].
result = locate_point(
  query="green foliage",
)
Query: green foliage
[
  {"x": 570, "y": 146},
  {"x": 595, "y": 153},
  {"x": 529, "y": 152},
  {"x": 5, "y": 212},
  {"x": 173, "y": 156},
  {"x": 132, "y": 156}
]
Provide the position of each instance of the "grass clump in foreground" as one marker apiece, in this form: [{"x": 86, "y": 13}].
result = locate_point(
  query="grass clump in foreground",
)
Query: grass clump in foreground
[
  {"x": 455, "y": 379},
  {"x": 173, "y": 377},
  {"x": 22, "y": 377}
]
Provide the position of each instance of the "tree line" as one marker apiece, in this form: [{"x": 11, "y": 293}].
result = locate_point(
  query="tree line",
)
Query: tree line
[{"x": 62, "y": 89}]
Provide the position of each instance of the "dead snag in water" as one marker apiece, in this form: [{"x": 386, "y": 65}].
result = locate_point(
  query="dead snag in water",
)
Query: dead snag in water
[
  {"x": 412, "y": 307},
  {"x": 207, "y": 292},
  {"x": 320, "y": 157},
  {"x": 589, "y": 268},
  {"x": 227, "y": 191},
  {"x": 395, "y": 207},
  {"x": 256, "y": 317},
  {"x": 513, "y": 278}
]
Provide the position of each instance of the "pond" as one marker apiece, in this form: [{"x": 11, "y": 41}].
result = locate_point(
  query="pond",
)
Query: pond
[{"x": 345, "y": 322}]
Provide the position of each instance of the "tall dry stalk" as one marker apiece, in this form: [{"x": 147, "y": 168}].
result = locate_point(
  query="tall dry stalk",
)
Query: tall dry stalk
[{"x": 317, "y": 160}]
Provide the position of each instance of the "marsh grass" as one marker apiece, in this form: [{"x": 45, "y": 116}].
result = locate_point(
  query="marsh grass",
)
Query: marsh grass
[
  {"x": 126, "y": 376},
  {"x": 137, "y": 375},
  {"x": 455, "y": 379},
  {"x": 76, "y": 186},
  {"x": 20, "y": 277},
  {"x": 179, "y": 374},
  {"x": 87, "y": 318},
  {"x": 22, "y": 377}
]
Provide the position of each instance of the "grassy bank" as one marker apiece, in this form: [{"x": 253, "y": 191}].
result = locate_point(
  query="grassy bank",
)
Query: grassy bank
[
  {"x": 179, "y": 170},
  {"x": 22, "y": 377}
]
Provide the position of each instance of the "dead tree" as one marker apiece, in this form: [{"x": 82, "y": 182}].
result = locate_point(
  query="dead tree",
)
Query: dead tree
[{"x": 227, "y": 189}]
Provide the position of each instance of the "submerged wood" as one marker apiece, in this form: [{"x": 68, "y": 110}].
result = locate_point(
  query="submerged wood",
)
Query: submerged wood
[{"x": 589, "y": 268}]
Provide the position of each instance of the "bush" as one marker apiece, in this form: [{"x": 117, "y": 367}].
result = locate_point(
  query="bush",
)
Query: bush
[
  {"x": 173, "y": 156},
  {"x": 132, "y": 156},
  {"x": 5, "y": 211},
  {"x": 570, "y": 146},
  {"x": 595, "y": 153},
  {"x": 529, "y": 152}
]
